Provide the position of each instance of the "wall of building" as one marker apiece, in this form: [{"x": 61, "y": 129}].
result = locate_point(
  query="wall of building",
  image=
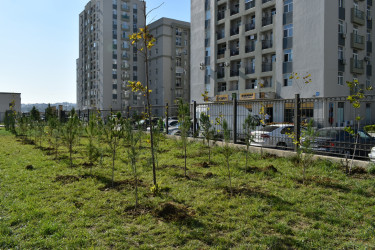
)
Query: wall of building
[{"x": 6, "y": 100}]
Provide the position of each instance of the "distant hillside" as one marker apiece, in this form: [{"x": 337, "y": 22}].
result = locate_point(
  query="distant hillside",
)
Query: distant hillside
[{"x": 42, "y": 106}]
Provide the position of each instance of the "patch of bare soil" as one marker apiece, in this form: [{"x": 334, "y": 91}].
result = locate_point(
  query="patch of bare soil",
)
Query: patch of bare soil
[
  {"x": 171, "y": 211},
  {"x": 358, "y": 170},
  {"x": 139, "y": 210},
  {"x": 66, "y": 179},
  {"x": 170, "y": 166},
  {"x": 29, "y": 167},
  {"x": 209, "y": 175},
  {"x": 268, "y": 169}
]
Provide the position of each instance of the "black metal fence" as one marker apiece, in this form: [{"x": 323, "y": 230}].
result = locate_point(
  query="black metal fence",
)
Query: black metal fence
[{"x": 277, "y": 120}]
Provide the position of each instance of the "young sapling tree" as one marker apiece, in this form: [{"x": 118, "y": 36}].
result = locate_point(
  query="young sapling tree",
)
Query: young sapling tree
[
  {"x": 248, "y": 126},
  {"x": 70, "y": 133},
  {"x": 207, "y": 132},
  {"x": 227, "y": 151},
  {"x": 185, "y": 124}
]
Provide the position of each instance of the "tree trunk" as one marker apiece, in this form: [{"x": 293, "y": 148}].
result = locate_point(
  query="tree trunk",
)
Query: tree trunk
[{"x": 247, "y": 153}]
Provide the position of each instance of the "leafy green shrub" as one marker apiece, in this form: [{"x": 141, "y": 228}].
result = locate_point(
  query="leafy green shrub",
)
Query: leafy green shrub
[
  {"x": 371, "y": 169},
  {"x": 369, "y": 128}
]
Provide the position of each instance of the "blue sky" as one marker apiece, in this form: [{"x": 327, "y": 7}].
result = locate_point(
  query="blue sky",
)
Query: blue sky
[{"x": 39, "y": 45}]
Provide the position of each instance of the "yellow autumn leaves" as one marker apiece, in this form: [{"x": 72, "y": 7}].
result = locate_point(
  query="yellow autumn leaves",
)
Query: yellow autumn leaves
[{"x": 144, "y": 36}]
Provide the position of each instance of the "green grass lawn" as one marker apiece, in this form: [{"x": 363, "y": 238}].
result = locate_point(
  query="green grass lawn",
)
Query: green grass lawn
[{"x": 51, "y": 205}]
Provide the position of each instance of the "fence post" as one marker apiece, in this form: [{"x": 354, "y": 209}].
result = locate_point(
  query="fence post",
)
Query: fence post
[
  {"x": 297, "y": 120},
  {"x": 235, "y": 120},
  {"x": 166, "y": 118},
  {"x": 194, "y": 118}
]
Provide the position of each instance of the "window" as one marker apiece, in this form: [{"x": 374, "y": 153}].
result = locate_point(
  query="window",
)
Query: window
[
  {"x": 178, "y": 82},
  {"x": 288, "y": 55},
  {"x": 368, "y": 83},
  {"x": 222, "y": 86},
  {"x": 341, "y": 27},
  {"x": 288, "y": 30},
  {"x": 288, "y": 6},
  {"x": 178, "y": 41},
  {"x": 341, "y": 53},
  {"x": 340, "y": 78},
  {"x": 287, "y": 80},
  {"x": 341, "y": 4}
]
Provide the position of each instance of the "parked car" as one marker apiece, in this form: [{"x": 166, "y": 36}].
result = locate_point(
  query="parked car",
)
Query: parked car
[
  {"x": 372, "y": 154},
  {"x": 171, "y": 124},
  {"x": 276, "y": 135},
  {"x": 336, "y": 140}
]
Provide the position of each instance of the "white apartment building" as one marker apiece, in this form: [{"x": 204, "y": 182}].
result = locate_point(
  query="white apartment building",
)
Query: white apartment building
[
  {"x": 107, "y": 60},
  {"x": 7, "y": 100},
  {"x": 169, "y": 64},
  {"x": 248, "y": 48}
]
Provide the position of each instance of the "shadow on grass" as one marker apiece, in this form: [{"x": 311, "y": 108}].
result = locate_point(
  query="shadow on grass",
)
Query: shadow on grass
[
  {"x": 277, "y": 202},
  {"x": 116, "y": 185},
  {"x": 324, "y": 182},
  {"x": 279, "y": 242}
]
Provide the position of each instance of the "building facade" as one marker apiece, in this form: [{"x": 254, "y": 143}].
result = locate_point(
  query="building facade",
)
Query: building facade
[
  {"x": 248, "y": 48},
  {"x": 107, "y": 60},
  {"x": 6, "y": 101},
  {"x": 169, "y": 63}
]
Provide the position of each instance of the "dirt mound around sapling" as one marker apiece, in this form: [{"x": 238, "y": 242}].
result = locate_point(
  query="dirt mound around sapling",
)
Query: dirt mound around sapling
[
  {"x": 171, "y": 211},
  {"x": 29, "y": 167},
  {"x": 66, "y": 179}
]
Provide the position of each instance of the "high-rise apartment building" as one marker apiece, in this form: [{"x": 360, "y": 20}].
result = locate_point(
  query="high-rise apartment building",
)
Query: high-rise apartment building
[
  {"x": 107, "y": 60},
  {"x": 249, "y": 48},
  {"x": 169, "y": 64}
]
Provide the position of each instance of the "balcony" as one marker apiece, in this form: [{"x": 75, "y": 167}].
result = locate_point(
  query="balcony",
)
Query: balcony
[
  {"x": 369, "y": 70},
  {"x": 235, "y": 31},
  {"x": 220, "y": 15},
  {"x": 356, "y": 66},
  {"x": 266, "y": 44},
  {"x": 341, "y": 13},
  {"x": 357, "y": 41},
  {"x": 220, "y": 34},
  {"x": 125, "y": 27},
  {"x": 287, "y": 67},
  {"x": 369, "y": 23},
  {"x": 358, "y": 16},
  {"x": 341, "y": 64},
  {"x": 288, "y": 17},
  {"x": 266, "y": 67},
  {"x": 369, "y": 47},
  {"x": 125, "y": 17},
  {"x": 234, "y": 72},
  {"x": 220, "y": 74},
  {"x": 249, "y": 5},
  {"x": 287, "y": 42},
  {"x": 234, "y": 52},
  {"x": 220, "y": 53},
  {"x": 249, "y": 70},
  {"x": 250, "y": 48},
  {"x": 249, "y": 26},
  {"x": 234, "y": 10},
  {"x": 125, "y": 7},
  {"x": 267, "y": 21},
  {"x": 266, "y": 1}
]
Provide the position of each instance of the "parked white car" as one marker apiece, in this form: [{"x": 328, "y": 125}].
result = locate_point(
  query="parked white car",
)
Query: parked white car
[
  {"x": 372, "y": 154},
  {"x": 277, "y": 135}
]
